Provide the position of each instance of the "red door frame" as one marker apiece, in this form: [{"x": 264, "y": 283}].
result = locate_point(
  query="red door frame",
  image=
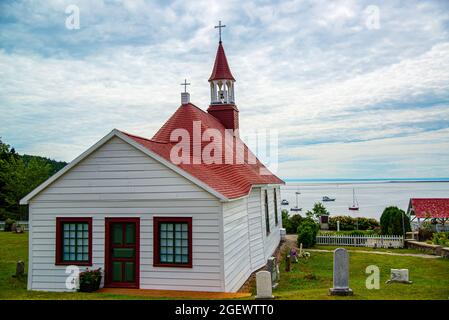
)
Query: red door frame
[{"x": 107, "y": 262}]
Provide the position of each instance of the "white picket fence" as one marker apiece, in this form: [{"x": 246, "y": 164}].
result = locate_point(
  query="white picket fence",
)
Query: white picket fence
[
  {"x": 24, "y": 225},
  {"x": 371, "y": 241}
]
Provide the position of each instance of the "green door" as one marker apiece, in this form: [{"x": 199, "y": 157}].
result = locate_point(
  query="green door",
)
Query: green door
[{"x": 123, "y": 254}]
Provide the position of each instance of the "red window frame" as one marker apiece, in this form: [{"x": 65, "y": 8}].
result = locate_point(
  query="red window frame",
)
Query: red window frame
[
  {"x": 59, "y": 242},
  {"x": 156, "y": 247}
]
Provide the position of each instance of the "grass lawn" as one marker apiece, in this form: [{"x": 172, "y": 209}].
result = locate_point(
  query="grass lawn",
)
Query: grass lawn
[
  {"x": 14, "y": 247},
  {"x": 430, "y": 276},
  {"x": 312, "y": 278}
]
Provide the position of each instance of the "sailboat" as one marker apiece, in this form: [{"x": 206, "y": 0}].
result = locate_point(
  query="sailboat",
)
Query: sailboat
[
  {"x": 355, "y": 203},
  {"x": 296, "y": 208}
]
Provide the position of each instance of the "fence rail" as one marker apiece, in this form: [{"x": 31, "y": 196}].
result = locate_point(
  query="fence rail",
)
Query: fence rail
[
  {"x": 23, "y": 224},
  {"x": 361, "y": 241}
]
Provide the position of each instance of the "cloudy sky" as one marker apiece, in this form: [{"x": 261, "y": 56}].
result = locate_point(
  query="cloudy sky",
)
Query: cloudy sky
[{"x": 355, "y": 89}]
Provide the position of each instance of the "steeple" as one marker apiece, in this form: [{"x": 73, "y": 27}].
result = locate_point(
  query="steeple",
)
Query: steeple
[
  {"x": 222, "y": 101},
  {"x": 221, "y": 80}
]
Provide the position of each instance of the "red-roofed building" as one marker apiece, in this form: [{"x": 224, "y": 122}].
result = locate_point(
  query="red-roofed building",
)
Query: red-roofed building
[
  {"x": 429, "y": 208},
  {"x": 191, "y": 208}
]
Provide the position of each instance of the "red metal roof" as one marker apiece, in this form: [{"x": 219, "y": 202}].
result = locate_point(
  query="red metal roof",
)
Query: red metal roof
[
  {"x": 430, "y": 207},
  {"x": 231, "y": 180},
  {"x": 221, "y": 68}
]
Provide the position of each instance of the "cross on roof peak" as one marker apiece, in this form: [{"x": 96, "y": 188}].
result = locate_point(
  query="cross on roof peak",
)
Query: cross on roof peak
[
  {"x": 219, "y": 28},
  {"x": 185, "y": 84}
]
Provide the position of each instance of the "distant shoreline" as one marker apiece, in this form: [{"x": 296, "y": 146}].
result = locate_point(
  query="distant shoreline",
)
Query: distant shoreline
[{"x": 367, "y": 181}]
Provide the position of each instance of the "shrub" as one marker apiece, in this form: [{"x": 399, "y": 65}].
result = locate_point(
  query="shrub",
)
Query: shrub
[
  {"x": 290, "y": 224},
  {"x": 8, "y": 224},
  {"x": 425, "y": 232},
  {"x": 394, "y": 221},
  {"x": 307, "y": 232},
  {"x": 441, "y": 238}
]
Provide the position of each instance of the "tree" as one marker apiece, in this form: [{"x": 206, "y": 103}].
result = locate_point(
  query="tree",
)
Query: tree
[
  {"x": 394, "y": 221},
  {"x": 318, "y": 210},
  {"x": 19, "y": 179}
]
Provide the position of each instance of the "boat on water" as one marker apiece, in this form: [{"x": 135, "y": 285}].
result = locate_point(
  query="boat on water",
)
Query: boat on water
[
  {"x": 284, "y": 202},
  {"x": 326, "y": 198},
  {"x": 355, "y": 203},
  {"x": 296, "y": 208}
]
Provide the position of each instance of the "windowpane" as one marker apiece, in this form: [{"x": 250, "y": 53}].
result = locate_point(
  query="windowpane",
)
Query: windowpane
[
  {"x": 173, "y": 243},
  {"x": 75, "y": 239}
]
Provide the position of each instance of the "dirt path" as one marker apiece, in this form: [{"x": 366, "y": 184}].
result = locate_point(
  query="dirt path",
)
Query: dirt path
[{"x": 290, "y": 241}]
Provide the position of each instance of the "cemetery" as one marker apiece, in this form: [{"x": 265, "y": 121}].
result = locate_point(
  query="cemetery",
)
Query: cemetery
[{"x": 310, "y": 275}]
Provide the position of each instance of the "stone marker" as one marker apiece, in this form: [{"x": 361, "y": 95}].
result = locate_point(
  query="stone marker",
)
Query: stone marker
[
  {"x": 20, "y": 268},
  {"x": 399, "y": 275},
  {"x": 263, "y": 283},
  {"x": 271, "y": 265},
  {"x": 341, "y": 274},
  {"x": 287, "y": 263}
]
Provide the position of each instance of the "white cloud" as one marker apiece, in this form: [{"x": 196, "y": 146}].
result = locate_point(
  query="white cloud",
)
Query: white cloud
[{"x": 310, "y": 69}]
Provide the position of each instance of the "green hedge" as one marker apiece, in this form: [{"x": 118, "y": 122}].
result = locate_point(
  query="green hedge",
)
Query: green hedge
[
  {"x": 353, "y": 232},
  {"x": 348, "y": 223},
  {"x": 441, "y": 238}
]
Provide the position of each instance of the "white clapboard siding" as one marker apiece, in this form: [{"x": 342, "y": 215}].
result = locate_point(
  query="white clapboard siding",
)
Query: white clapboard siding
[
  {"x": 118, "y": 180},
  {"x": 237, "y": 265},
  {"x": 255, "y": 229}
]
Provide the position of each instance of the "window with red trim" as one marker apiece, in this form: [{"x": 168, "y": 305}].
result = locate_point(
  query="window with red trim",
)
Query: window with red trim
[
  {"x": 172, "y": 242},
  {"x": 74, "y": 241}
]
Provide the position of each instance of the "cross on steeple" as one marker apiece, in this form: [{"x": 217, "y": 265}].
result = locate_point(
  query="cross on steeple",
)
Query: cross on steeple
[
  {"x": 219, "y": 28},
  {"x": 185, "y": 84}
]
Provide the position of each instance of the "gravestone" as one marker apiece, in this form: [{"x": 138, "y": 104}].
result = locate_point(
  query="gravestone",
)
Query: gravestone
[
  {"x": 399, "y": 275},
  {"x": 263, "y": 284},
  {"x": 341, "y": 274},
  {"x": 287, "y": 263},
  {"x": 273, "y": 269},
  {"x": 20, "y": 269}
]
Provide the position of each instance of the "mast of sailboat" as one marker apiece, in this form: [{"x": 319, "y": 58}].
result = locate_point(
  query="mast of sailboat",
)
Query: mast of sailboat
[
  {"x": 297, "y": 194},
  {"x": 354, "y": 199}
]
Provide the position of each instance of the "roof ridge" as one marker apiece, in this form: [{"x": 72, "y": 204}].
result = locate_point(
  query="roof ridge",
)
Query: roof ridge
[{"x": 140, "y": 137}]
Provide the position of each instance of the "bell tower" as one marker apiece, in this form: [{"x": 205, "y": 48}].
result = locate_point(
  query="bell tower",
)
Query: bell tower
[{"x": 222, "y": 102}]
